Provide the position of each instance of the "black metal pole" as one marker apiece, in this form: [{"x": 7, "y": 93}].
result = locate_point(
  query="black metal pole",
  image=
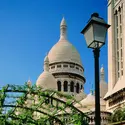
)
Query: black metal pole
[{"x": 97, "y": 88}]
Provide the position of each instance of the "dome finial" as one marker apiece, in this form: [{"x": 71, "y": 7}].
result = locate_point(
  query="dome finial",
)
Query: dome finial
[
  {"x": 46, "y": 63},
  {"x": 63, "y": 22},
  {"x": 63, "y": 28},
  {"x": 102, "y": 73}
]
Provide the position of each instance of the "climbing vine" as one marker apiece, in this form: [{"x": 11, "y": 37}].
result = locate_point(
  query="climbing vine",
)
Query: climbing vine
[{"x": 29, "y": 105}]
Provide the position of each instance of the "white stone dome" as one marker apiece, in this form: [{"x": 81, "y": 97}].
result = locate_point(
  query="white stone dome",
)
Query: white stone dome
[
  {"x": 88, "y": 104},
  {"x": 90, "y": 100},
  {"x": 63, "y": 50},
  {"x": 46, "y": 80},
  {"x": 80, "y": 96}
]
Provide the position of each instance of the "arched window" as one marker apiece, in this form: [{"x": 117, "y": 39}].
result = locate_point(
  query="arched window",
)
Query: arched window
[
  {"x": 65, "y": 86},
  {"x": 59, "y": 85},
  {"x": 81, "y": 87},
  {"x": 72, "y": 86},
  {"x": 77, "y": 87}
]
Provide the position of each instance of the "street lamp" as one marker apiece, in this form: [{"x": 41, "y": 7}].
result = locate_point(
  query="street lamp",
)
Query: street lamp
[{"x": 95, "y": 34}]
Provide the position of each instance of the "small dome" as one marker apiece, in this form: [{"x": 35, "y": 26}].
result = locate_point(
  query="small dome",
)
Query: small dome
[
  {"x": 46, "y": 80},
  {"x": 90, "y": 100},
  {"x": 63, "y": 22},
  {"x": 80, "y": 96},
  {"x": 88, "y": 103}
]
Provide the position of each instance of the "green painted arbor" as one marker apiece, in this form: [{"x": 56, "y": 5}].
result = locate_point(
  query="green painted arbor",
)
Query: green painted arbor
[{"x": 24, "y": 105}]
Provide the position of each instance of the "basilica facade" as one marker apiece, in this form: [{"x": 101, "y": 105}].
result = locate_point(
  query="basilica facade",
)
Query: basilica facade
[
  {"x": 64, "y": 72},
  {"x": 65, "y": 66}
]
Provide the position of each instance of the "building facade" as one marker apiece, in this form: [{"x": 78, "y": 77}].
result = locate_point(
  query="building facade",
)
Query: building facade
[{"x": 116, "y": 52}]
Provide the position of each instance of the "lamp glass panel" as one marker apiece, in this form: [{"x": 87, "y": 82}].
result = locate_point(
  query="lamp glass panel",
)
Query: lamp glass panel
[
  {"x": 88, "y": 34},
  {"x": 99, "y": 33}
]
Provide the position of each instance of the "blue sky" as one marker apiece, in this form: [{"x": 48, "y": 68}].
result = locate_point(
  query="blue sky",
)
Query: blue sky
[{"x": 29, "y": 28}]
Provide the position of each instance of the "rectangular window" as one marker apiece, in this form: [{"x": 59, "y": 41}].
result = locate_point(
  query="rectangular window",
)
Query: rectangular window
[
  {"x": 53, "y": 67},
  {"x": 121, "y": 54},
  {"x": 117, "y": 44},
  {"x": 117, "y": 32},
  {"x": 122, "y": 72},
  {"x": 117, "y": 20},
  {"x": 65, "y": 66},
  {"x": 72, "y": 66},
  {"x": 120, "y": 29},
  {"x": 77, "y": 68},
  {"x": 121, "y": 41},
  {"x": 58, "y": 66},
  {"x": 120, "y": 18},
  {"x": 118, "y": 66},
  {"x": 121, "y": 64},
  {"x": 118, "y": 55}
]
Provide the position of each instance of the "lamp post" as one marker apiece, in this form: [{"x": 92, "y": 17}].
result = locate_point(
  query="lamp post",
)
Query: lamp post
[{"x": 95, "y": 34}]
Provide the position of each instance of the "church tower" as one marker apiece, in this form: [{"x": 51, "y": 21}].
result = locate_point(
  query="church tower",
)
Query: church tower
[{"x": 116, "y": 54}]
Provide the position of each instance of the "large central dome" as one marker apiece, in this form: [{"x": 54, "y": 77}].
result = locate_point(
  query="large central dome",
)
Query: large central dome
[
  {"x": 63, "y": 50},
  {"x": 65, "y": 64}
]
